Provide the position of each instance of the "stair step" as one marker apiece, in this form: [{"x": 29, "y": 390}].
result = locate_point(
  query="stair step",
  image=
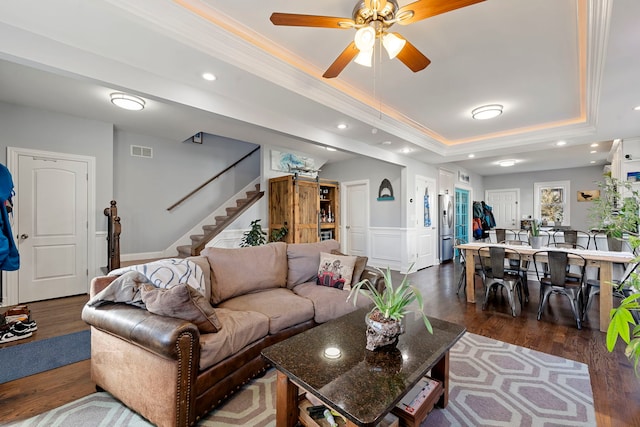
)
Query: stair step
[
  {"x": 209, "y": 228},
  {"x": 251, "y": 194},
  {"x": 231, "y": 211},
  {"x": 196, "y": 238},
  {"x": 184, "y": 251},
  {"x": 221, "y": 219}
]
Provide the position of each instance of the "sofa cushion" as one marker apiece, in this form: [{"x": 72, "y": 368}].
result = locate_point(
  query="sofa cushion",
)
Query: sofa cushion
[
  {"x": 335, "y": 271},
  {"x": 239, "y": 329},
  {"x": 361, "y": 264},
  {"x": 182, "y": 302},
  {"x": 304, "y": 259},
  {"x": 329, "y": 303},
  {"x": 241, "y": 271},
  {"x": 283, "y": 307}
]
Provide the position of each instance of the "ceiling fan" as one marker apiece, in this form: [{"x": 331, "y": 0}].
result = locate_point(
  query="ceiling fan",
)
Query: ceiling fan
[{"x": 372, "y": 20}]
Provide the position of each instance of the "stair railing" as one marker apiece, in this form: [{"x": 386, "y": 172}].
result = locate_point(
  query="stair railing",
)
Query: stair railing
[
  {"x": 113, "y": 236},
  {"x": 210, "y": 180}
]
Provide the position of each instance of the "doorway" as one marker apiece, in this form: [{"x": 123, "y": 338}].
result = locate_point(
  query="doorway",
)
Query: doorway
[
  {"x": 426, "y": 222},
  {"x": 355, "y": 200},
  {"x": 505, "y": 205},
  {"x": 54, "y": 224},
  {"x": 462, "y": 216}
]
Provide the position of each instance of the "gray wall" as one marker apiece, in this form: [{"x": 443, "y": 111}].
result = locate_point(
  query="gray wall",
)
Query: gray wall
[
  {"x": 581, "y": 179},
  {"x": 145, "y": 188},
  {"x": 382, "y": 214},
  {"x": 36, "y": 129}
]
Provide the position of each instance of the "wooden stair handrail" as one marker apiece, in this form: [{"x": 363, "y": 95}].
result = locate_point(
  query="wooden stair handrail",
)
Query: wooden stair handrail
[
  {"x": 113, "y": 236},
  {"x": 179, "y": 202}
]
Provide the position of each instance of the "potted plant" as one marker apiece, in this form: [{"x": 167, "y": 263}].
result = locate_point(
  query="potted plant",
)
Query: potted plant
[
  {"x": 391, "y": 305},
  {"x": 255, "y": 236},
  {"x": 626, "y": 316},
  {"x": 615, "y": 212},
  {"x": 535, "y": 240}
]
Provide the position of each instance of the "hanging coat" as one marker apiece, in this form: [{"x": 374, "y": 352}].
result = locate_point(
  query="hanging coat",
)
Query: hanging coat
[{"x": 9, "y": 256}]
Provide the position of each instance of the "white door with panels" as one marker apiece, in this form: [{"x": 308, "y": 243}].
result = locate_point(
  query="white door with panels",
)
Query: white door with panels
[
  {"x": 505, "y": 205},
  {"x": 426, "y": 222},
  {"x": 356, "y": 217},
  {"x": 52, "y": 227}
]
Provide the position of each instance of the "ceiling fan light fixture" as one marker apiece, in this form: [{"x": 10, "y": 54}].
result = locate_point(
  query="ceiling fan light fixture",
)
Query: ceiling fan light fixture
[
  {"x": 128, "y": 102},
  {"x": 365, "y": 38},
  {"x": 364, "y": 57},
  {"x": 393, "y": 44},
  {"x": 487, "y": 112}
]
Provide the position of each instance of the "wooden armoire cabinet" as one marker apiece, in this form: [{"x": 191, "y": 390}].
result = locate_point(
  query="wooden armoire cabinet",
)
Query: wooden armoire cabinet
[{"x": 309, "y": 208}]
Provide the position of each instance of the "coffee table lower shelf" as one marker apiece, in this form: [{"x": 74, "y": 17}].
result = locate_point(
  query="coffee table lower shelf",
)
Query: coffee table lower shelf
[
  {"x": 389, "y": 421},
  {"x": 425, "y": 400}
]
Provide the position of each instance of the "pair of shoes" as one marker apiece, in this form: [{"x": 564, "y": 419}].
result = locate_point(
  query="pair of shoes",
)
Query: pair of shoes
[{"x": 14, "y": 331}]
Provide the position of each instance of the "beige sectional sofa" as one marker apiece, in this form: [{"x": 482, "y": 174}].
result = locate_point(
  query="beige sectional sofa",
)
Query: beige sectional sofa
[{"x": 172, "y": 373}]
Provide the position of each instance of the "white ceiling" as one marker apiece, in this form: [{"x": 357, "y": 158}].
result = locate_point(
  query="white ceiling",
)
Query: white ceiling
[{"x": 563, "y": 69}]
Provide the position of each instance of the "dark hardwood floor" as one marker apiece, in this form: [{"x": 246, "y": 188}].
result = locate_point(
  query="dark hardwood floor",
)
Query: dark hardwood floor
[{"x": 616, "y": 389}]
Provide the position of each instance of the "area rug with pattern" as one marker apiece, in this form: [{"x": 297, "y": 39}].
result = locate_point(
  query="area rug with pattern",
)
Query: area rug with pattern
[{"x": 492, "y": 383}]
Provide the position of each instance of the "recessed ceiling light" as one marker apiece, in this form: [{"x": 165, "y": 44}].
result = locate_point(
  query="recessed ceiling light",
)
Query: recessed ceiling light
[
  {"x": 406, "y": 150},
  {"x": 486, "y": 112},
  {"x": 592, "y": 161},
  {"x": 507, "y": 163},
  {"x": 330, "y": 149},
  {"x": 209, "y": 76},
  {"x": 636, "y": 108},
  {"x": 593, "y": 151},
  {"x": 595, "y": 144},
  {"x": 128, "y": 102},
  {"x": 386, "y": 143},
  {"x": 342, "y": 126},
  {"x": 561, "y": 143},
  {"x": 471, "y": 156}
]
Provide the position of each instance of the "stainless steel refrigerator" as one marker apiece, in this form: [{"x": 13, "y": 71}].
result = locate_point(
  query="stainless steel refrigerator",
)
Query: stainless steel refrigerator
[{"x": 446, "y": 228}]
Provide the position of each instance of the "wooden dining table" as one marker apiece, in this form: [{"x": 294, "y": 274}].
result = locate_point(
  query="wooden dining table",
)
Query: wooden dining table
[{"x": 603, "y": 260}]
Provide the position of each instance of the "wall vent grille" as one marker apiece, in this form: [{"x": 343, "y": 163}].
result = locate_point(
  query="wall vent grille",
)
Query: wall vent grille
[{"x": 140, "y": 151}]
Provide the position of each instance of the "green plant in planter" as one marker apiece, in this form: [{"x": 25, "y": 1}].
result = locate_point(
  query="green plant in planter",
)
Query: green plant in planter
[
  {"x": 255, "y": 236},
  {"x": 535, "y": 228},
  {"x": 393, "y": 302},
  {"x": 615, "y": 212},
  {"x": 622, "y": 318}
]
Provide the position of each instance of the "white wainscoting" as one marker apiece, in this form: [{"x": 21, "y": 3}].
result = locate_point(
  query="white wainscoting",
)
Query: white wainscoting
[{"x": 389, "y": 248}]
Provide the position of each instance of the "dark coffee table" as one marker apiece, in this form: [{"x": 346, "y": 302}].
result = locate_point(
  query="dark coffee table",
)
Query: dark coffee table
[{"x": 360, "y": 384}]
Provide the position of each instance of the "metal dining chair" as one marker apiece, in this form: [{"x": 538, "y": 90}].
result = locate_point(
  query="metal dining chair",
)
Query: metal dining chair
[
  {"x": 554, "y": 280},
  {"x": 462, "y": 281},
  {"x": 494, "y": 274}
]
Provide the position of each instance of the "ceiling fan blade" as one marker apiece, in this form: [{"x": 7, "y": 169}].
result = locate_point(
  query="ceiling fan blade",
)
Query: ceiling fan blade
[
  {"x": 341, "y": 61},
  {"x": 296, "y": 20},
  {"x": 423, "y": 9},
  {"x": 412, "y": 57}
]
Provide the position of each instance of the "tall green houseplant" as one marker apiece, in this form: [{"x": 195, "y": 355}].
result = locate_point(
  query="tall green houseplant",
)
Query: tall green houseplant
[{"x": 616, "y": 213}]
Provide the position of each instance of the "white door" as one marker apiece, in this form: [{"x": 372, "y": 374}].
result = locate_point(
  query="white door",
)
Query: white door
[
  {"x": 426, "y": 222},
  {"x": 356, "y": 217},
  {"x": 505, "y": 205},
  {"x": 52, "y": 210}
]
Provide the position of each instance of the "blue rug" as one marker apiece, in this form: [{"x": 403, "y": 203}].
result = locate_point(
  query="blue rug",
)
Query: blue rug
[{"x": 38, "y": 356}]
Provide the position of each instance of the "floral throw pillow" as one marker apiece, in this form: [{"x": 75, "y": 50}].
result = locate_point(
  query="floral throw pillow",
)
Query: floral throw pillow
[{"x": 335, "y": 271}]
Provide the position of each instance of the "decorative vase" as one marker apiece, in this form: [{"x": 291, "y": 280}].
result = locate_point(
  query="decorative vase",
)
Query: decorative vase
[
  {"x": 380, "y": 331},
  {"x": 535, "y": 242}
]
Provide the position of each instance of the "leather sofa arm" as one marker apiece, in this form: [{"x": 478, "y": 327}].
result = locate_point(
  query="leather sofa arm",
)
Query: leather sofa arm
[
  {"x": 375, "y": 277},
  {"x": 162, "y": 335}
]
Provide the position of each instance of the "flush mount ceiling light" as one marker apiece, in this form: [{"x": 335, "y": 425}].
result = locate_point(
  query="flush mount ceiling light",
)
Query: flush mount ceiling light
[
  {"x": 471, "y": 156},
  {"x": 595, "y": 144},
  {"x": 507, "y": 163},
  {"x": 487, "y": 112},
  {"x": 636, "y": 108},
  {"x": 561, "y": 143},
  {"x": 209, "y": 76},
  {"x": 330, "y": 149},
  {"x": 342, "y": 126},
  {"x": 128, "y": 102}
]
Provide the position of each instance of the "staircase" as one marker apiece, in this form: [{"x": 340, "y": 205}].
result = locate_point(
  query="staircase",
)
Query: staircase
[{"x": 199, "y": 241}]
